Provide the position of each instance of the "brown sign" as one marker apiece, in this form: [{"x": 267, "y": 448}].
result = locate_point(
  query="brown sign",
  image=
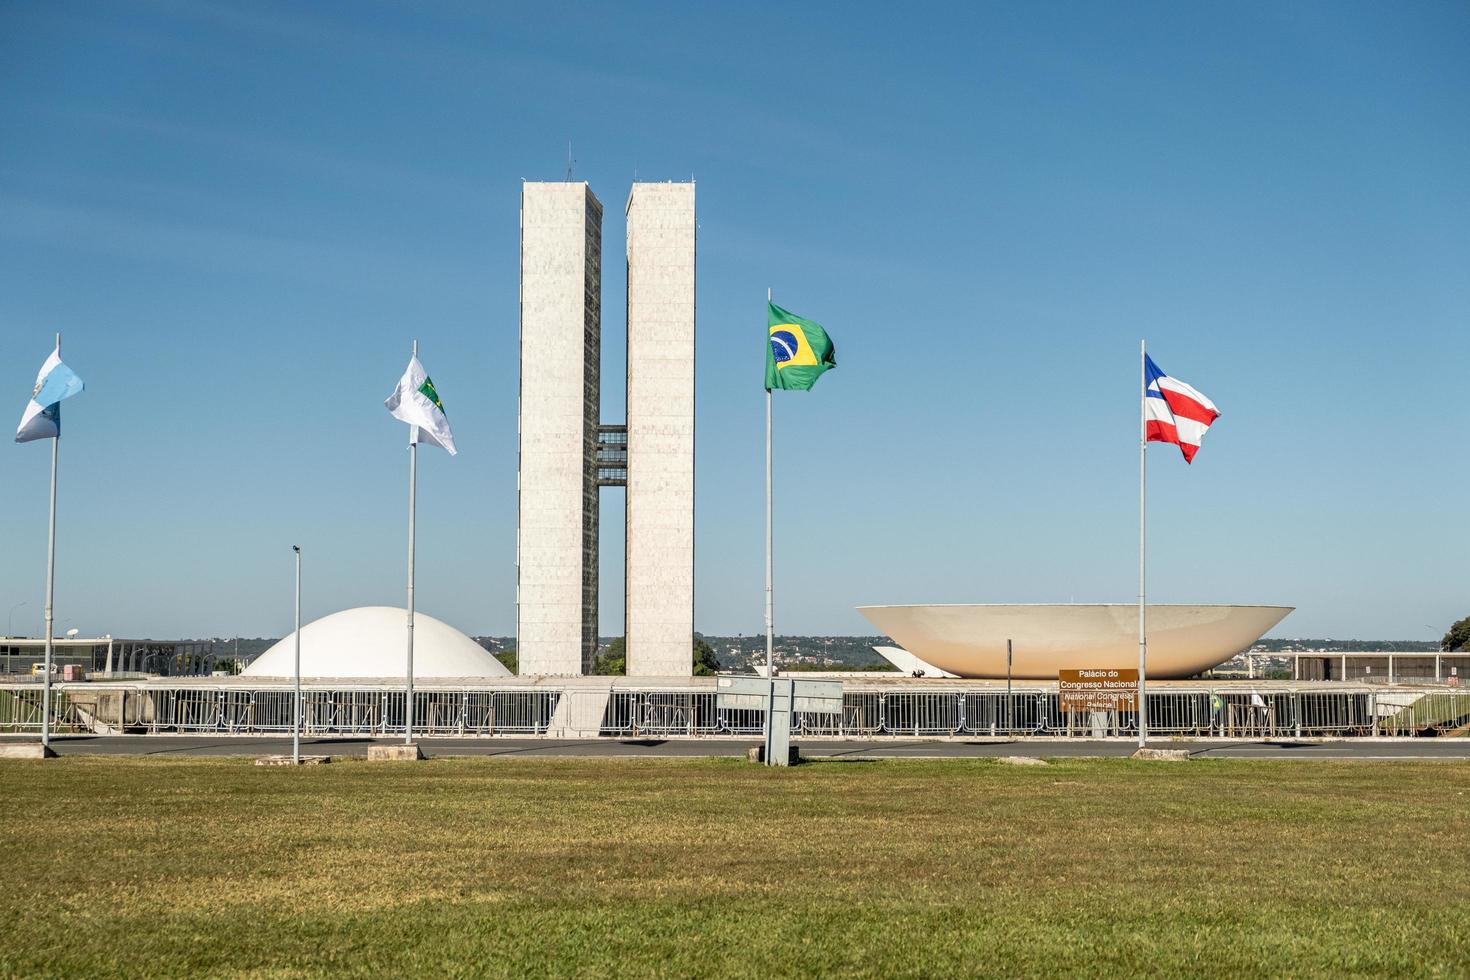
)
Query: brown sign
[{"x": 1098, "y": 689}]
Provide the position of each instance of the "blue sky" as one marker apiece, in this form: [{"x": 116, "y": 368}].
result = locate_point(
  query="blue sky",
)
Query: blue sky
[{"x": 240, "y": 214}]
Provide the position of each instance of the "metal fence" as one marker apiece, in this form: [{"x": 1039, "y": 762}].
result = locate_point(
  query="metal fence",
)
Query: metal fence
[
  {"x": 20, "y": 711},
  {"x": 353, "y": 712},
  {"x": 1195, "y": 712},
  {"x": 335, "y": 711}
]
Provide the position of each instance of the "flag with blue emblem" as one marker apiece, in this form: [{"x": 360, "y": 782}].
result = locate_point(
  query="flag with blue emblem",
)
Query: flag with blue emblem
[
  {"x": 54, "y": 383},
  {"x": 798, "y": 351}
]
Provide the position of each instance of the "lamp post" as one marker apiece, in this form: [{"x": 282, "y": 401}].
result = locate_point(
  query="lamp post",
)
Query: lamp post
[
  {"x": 1010, "y": 709},
  {"x": 1438, "y": 658},
  {"x": 296, "y": 710}
]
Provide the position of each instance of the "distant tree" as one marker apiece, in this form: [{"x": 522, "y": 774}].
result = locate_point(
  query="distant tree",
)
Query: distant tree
[
  {"x": 1458, "y": 638},
  {"x": 705, "y": 662},
  {"x": 613, "y": 661},
  {"x": 507, "y": 657}
]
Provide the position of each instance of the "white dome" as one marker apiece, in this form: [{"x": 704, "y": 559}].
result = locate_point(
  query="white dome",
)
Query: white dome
[{"x": 372, "y": 641}]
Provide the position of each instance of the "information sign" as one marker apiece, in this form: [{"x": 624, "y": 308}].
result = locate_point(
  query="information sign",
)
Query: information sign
[{"x": 1098, "y": 689}]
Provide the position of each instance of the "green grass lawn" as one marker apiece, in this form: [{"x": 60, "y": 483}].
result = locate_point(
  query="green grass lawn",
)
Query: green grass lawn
[{"x": 597, "y": 868}]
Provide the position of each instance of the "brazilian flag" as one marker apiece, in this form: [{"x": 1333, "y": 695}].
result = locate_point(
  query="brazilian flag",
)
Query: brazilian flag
[{"x": 798, "y": 351}]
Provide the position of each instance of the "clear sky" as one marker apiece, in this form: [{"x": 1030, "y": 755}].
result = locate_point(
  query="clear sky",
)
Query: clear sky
[{"x": 240, "y": 214}]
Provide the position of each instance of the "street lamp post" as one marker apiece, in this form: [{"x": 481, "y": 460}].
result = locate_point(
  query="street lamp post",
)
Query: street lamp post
[
  {"x": 1438, "y": 658},
  {"x": 296, "y": 710}
]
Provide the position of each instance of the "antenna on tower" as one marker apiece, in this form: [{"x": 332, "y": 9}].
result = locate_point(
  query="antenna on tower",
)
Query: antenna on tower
[{"x": 570, "y": 162}]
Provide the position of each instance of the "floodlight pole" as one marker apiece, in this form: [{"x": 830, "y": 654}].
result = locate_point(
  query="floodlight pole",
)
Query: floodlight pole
[
  {"x": 1142, "y": 484},
  {"x": 413, "y": 464},
  {"x": 296, "y": 711}
]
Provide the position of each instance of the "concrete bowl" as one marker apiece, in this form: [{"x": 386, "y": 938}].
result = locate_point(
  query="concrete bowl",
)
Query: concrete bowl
[{"x": 970, "y": 640}]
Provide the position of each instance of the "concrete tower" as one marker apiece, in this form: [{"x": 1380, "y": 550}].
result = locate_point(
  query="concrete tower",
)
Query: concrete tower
[
  {"x": 658, "y": 606},
  {"x": 561, "y": 324},
  {"x": 566, "y": 455}
]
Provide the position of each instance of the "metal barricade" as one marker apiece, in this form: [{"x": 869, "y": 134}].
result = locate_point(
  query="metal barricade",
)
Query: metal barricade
[
  {"x": 1431, "y": 713},
  {"x": 1322, "y": 713},
  {"x": 20, "y": 711},
  {"x": 926, "y": 713},
  {"x": 882, "y": 711},
  {"x": 674, "y": 713},
  {"x": 1249, "y": 714},
  {"x": 1175, "y": 712},
  {"x": 742, "y": 721},
  {"x": 862, "y": 714}
]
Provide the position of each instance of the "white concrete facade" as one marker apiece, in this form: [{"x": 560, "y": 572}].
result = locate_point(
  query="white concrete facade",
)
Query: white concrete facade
[
  {"x": 560, "y": 348},
  {"x": 659, "y": 557}
]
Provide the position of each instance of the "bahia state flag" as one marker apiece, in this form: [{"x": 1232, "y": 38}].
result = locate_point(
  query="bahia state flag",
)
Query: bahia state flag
[
  {"x": 54, "y": 383},
  {"x": 416, "y": 402},
  {"x": 1175, "y": 412},
  {"x": 798, "y": 352}
]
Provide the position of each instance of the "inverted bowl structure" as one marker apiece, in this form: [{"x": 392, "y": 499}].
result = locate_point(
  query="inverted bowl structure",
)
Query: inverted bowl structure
[{"x": 970, "y": 640}]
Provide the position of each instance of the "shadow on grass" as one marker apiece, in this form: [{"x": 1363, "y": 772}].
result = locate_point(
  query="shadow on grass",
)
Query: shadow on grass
[{"x": 1217, "y": 751}]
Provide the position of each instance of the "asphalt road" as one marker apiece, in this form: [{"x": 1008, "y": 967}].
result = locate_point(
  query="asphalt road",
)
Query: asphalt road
[{"x": 190, "y": 745}]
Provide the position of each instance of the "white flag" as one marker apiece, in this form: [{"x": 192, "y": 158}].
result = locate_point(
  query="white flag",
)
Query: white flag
[
  {"x": 416, "y": 402},
  {"x": 55, "y": 382}
]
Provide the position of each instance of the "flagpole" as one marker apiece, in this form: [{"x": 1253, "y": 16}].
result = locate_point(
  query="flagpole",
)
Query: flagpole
[
  {"x": 413, "y": 463},
  {"x": 770, "y": 620},
  {"x": 50, "y": 581},
  {"x": 1142, "y": 484},
  {"x": 50, "y": 590}
]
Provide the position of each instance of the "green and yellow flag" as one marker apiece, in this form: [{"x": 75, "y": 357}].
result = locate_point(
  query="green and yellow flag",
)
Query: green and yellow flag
[{"x": 798, "y": 351}]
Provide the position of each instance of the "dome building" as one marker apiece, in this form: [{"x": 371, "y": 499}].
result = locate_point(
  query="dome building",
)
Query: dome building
[{"x": 371, "y": 642}]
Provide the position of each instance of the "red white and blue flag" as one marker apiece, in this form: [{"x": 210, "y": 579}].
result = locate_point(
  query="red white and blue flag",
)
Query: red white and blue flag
[{"x": 1175, "y": 412}]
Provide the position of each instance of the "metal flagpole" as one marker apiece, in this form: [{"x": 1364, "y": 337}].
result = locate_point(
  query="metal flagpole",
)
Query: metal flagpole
[
  {"x": 1142, "y": 609},
  {"x": 296, "y": 711},
  {"x": 50, "y": 589},
  {"x": 413, "y": 464},
  {"x": 50, "y": 581},
  {"x": 770, "y": 617},
  {"x": 770, "y": 627}
]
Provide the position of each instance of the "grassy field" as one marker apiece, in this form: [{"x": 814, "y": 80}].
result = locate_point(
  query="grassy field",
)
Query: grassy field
[{"x": 595, "y": 868}]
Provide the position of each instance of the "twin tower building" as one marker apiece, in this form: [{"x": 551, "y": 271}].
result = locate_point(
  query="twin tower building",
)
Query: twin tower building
[{"x": 567, "y": 452}]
